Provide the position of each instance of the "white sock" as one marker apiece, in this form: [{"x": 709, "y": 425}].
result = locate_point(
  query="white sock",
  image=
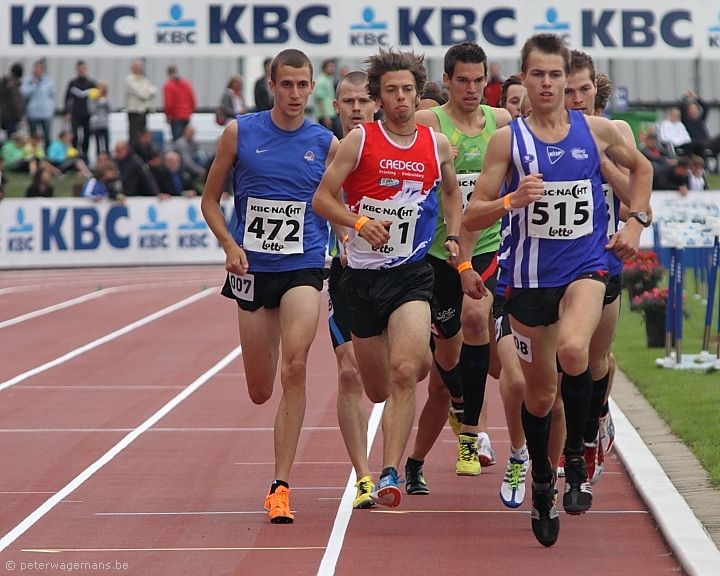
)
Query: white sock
[{"x": 520, "y": 453}]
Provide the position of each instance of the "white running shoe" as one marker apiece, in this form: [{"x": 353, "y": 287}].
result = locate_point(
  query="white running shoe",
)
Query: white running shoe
[
  {"x": 512, "y": 490},
  {"x": 486, "y": 454}
]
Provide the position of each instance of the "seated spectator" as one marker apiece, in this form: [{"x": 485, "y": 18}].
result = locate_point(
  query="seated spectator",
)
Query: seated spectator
[
  {"x": 693, "y": 111},
  {"x": 657, "y": 154},
  {"x": 13, "y": 155},
  {"x": 40, "y": 186},
  {"x": 672, "y": 131},
  {"x": 135, "y": 175},
  {"x": 34, "y": 148},
  {"x": 64, "y": 157},
  {"x": 673, "y": 177},
  {"x": 101, "y": 184},
  {"x": 145, "y": 147},
  {"x": 696, "y": 175},
  {"x": 3, "y": 180},
  {"x": 192, "y": 158},
  {"x": 171, "y": 180}
]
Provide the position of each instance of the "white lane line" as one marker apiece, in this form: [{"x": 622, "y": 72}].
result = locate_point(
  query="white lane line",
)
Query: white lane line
[
  {"x": 82, "y": 430},
  {"x": 98, "y": 387},
  {"x": 688, "y": 539},
  {"x": 25, "y": 525},
  {"x": 56, "y": 307},
  {"x": 100, "y": 341},
  {"x": 207, "y": 513},
  {"x": 342, "y": 518}
]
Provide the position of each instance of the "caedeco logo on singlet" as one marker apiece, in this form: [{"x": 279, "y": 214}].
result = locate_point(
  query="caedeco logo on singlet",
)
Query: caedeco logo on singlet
[{"x": 388, "y": 164}]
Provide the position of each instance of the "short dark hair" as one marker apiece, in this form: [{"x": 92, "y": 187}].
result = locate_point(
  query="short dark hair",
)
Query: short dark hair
[
  {"x": 16, "y": 70},
  {"x": 580, "y": 61},
  {"x": 433, "y": 91},
  {"x": 513, "y": 80},
  {"x": 81, "y": 63},
  {"x": 391, "y": 61},
  {"x": 547, "y": 43},
  {"x": 684, "y": 162},
  {"x": 604, "y": 90},
  {"x": 172, "y": 69},
  {"x": 356, "y": 78},
  {"x": 467, "y": 53},
  {"x": 290, "y": 57}
]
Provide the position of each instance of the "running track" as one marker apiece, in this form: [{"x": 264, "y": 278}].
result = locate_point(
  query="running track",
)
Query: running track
[{"x": 127, "y": 438}]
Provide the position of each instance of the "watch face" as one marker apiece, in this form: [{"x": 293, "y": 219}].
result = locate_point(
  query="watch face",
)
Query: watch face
[{"x": 640, "y": 216}]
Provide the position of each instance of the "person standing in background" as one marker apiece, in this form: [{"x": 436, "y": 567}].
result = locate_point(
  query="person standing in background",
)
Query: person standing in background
[
  {"x": 139, "y": 94},
  {"x": 324, "y": 95},
  {"x": 232, "y": 101},
  {"x": 494, "y": 85},
  {"x": 12, "y": 104},
  {"x": 39, "y": 91},
  {"x": 100, "y": 106},
  {"x": 76, "y": 107},
  {"x": 264, "y": 99},
  {"x": 180, "y": 102}
]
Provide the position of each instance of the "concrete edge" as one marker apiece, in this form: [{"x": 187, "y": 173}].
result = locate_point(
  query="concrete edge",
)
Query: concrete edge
[{"x": 685, "y": 535}]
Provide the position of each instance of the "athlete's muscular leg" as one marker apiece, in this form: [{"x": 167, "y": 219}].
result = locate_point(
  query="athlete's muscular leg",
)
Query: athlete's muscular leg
[
  {"x": 512, "y": 389},
  {"x": 433, "y": 416},
  {"x": 299, "y": 315},
  {"x": 602, "y": 340},
  {"x": 260, "y": 341},
  {"x": 372, "y": 359},
  {"x": 352, "y": 416}
]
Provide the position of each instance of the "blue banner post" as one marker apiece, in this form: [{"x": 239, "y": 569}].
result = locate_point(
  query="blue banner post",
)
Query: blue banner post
[
  {"x": 669, "y": 314},
  {"x": 680, "y": 252}
]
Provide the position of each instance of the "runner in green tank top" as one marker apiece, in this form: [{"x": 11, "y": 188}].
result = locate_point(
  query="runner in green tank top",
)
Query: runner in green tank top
[{"x": 461, "y": 324}]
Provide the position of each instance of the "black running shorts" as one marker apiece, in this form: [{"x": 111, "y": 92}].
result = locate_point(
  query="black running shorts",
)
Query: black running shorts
[
  {"x": 253, "y": 291},
  {"x": 338, "y": 315}
]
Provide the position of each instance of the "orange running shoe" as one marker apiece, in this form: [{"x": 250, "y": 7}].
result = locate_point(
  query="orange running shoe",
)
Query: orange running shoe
[{"x": 278, "y": 506}]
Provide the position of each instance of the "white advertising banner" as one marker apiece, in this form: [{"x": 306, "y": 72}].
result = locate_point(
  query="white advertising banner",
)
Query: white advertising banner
[
  {"x": 61, "y": 232},
  {"x": 606, "y": 28}
]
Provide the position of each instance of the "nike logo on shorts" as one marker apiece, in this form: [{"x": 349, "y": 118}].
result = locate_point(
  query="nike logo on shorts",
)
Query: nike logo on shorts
[{"x": 258, "y": 151}]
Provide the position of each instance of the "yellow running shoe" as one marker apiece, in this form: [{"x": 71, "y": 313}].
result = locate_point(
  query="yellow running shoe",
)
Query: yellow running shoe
[
  {"x": 364, "y": 487},
  {"x": 468, "y": 463},
  {"x": 278, "y": 506},
  {"x": 455, "y": 417}
]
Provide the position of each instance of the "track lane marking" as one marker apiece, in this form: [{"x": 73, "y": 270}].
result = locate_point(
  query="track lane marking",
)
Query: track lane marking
[
  {"x": 26, "y": 524},
  {"x": 238, "y": 549},
  {"x": 109, "y": 337}
]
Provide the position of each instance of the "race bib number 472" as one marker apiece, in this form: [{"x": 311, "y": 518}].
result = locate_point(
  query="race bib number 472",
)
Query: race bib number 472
[
  {"x": 274, "y": 227},
  {"x": 565, "y": 211}
]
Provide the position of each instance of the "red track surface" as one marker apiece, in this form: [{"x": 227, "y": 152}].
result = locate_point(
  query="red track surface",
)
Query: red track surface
[{"x": 186, "y": 496}]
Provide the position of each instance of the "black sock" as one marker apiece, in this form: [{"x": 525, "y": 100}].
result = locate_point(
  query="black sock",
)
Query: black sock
[
  {"x": 457, "y": 405},
  {"x": 451, "y": 379},
  {"x": 596, "y": 406},
  {"x": 387, "y": 471},
  {"x": 605, "y": 409},
  {"x": 576, "y": 395},
  {"x": 471, "y": 434},
  {"x": 474, "y": 362},
  {"x": 276, "y": 483},
  {"x": 537, "y": 435},
  {"x": 415, "y": 464}
]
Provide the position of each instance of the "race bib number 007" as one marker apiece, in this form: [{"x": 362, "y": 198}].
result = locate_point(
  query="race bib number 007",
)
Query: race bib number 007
[
  {"x": 274, "y": 227},
  {"x": 564, "y": 213},
  {"x": 243, "y": 287},
  {"x": 402, "y": 229}
]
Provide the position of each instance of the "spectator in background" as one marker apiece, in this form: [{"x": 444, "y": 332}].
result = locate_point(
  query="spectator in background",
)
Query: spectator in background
[
  {"x": 64, "y": 156},
  {"x": 656, "y": 153},
  {"x": 511, "y": 92},
  {"x": 39, "y": 91},
  {"x": 40, "y": 186},
  {"x": 232, "y": 101},
  {"x": 171, "y": 180},
  {"x": 101, "y": 185},
  {"x": 493, "y": 88},
  {"x": 696, "y": 175},
  {"x": 139, "y": 94},
  {"x": 263, "y": 97},
  {"x": 3, "y": 180},
  {"x": 673, "y": 177},
  {"x": 180, "y": 102},
  {"x": 672, "y": 131},
  {"x": 13, "y": 155},
  {"x": 192, "y": 158},
  {"x": 144, "y": 146},
  {"x": 12, "y": 103},
  {"x": 324, "y": 94},
  {"x": 100, "y": 107},
  {"x": 76, "y": 108},
  {"x": 135, "y": 175},
  {"x": 693, "y": 111}
]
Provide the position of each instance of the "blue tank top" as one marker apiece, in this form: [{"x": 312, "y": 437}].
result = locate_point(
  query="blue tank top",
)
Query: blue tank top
[
  {"x": 554, "y": 240},
  {"x": 274, "y": 180}
]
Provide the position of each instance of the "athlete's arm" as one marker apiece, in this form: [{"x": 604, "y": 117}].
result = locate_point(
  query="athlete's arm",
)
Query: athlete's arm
[
  {"x": 327, "y": 201},
  {"x": 428, "y": 118},
  {"x": 502, "y": 117},
  {"x": 451, "y": 195},
  {"x": 486, "y": 206},
  {"x": 235, "y": 258},
  {"x": 334, "y": 145}
]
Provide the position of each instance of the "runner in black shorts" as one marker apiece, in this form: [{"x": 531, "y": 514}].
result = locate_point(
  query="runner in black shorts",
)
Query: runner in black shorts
[{"x": 268, "y": 288}]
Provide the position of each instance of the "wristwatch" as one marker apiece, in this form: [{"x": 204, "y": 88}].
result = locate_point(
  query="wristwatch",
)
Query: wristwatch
[{"x": 640, "y": 217}]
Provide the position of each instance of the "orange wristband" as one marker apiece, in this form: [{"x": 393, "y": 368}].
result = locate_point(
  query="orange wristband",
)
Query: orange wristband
[
  {"x": 361, "y": 222},
  {"x": 345, "y": 239},
  {"x": 467, "y": 265},
  {"x": 506, "y": 202}
]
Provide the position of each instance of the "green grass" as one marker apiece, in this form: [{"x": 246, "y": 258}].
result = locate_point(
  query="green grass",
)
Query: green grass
[
  {"x": 18, "y": 182},
  {"x": 688, "y": 400}
]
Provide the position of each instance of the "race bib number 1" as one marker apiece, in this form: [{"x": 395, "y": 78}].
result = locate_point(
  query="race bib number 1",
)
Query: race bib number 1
[
  {"x": 274, "y": 227},
  {"x": 243, "y": 287},
  {"x": 402, "y": 230},
  {"x": 564, "y": 213}
]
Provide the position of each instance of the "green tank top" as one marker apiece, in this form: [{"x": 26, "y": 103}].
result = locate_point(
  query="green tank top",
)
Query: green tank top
[{"x": 468, "y": 164}]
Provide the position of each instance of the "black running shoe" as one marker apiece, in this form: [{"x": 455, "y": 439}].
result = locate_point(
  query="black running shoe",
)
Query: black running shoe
[
  {"x": 577, "y": 498},
  {"x": 544, "y": 514},
  {"x": 414, "y": 480}
]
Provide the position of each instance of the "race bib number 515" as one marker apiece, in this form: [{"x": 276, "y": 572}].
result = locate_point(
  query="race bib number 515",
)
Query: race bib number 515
[
  {"x": 274, "y": 227},
  {"x": 565, "y": 211}
]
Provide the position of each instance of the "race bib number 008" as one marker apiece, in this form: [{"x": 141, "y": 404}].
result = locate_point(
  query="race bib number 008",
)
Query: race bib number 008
[
  {"x": 564, "y": 213},
  {"x": 402, "y": 229},
  {"x": 274, "y": 227}
]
